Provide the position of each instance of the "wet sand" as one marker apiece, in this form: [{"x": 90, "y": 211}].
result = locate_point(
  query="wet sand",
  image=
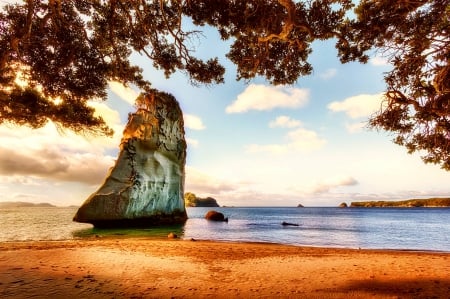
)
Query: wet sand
[{"x": 149, "y": 268}]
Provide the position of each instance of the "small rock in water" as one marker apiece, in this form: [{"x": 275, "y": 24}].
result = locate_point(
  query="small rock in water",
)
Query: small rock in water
[
  {"x": 215, "y": 216},
  {"x": 343, "y": 205},
  {"x": 288, "y": 224}
]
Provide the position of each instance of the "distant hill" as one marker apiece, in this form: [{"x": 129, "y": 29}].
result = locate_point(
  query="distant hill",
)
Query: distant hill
[
  {"x": 21, "y": 204},
  {"x": 410, "y": 203},
  {"x": 191, "y": 200}
]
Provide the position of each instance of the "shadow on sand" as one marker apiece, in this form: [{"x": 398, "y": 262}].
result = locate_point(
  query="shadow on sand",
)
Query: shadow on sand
[{"x": 412, "y": 288}]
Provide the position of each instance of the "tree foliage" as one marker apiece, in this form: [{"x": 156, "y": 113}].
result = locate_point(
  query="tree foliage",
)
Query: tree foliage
[
  {"x": 69, "y": 50},
  {"x": 415, "y": 37}
]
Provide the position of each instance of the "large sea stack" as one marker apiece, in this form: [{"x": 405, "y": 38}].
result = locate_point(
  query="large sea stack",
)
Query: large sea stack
[{"x": 145, "y": 187}]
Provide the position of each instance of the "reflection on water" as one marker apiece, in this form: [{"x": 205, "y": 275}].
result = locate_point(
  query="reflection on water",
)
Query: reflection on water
[{"x": 156, "y": 232}]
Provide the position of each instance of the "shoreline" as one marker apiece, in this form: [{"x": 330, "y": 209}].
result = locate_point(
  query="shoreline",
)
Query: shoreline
[
  {"x": 90, "y": 238},
  {"x": 162, "y": 268}
]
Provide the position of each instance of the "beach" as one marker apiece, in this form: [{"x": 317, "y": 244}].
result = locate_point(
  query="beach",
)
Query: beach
[{"x": 173, "y": 268}]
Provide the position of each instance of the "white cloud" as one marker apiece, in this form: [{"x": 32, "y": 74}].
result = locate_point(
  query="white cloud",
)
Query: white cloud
[
  {"x": 299, "y": 140},
  {"x": 305, "y": 140},
  {"x": 19, "y": 180},
  {"x": 363, "y": 105},
  {"x": 125, "y": 93},
  {"x": 269, "y": 148},
  {"x": 112, "y": 119},
  {"x": 52, "y": 156},
  {"x": 109, "y": 115},
  {"x": 332, "y": 183},
  {"x": 355, "y": 127},
  {"x": 285, "y": 122},
  {"x": 84, "y": 168},
  {"x": 328, "y": 74},
  {"x": 203, "y": 184},
  {"x": 378, "y": 61},
  {"x": 232, "y": 192},
  {"x": 192, "y": 142},
  {"x": 193, "y": 122},
  {"x": 262, "y": 97}
]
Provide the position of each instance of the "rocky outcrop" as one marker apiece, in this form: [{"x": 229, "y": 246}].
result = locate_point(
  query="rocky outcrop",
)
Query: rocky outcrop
[
  {"x": 215, "y": 216},
  {"x": 191, "y": 200},
  {"x": 145, "y": 187},
  {"x": 343, "y": 205}
]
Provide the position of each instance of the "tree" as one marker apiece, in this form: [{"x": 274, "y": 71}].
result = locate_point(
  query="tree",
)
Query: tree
[
  {"x": 189, "y": 199},
  {"x": 415, "y": 37},
  {"x": 70, "y": 49}
]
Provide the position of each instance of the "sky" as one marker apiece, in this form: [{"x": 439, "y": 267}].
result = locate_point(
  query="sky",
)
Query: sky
[{"x": 249, "y": 143}]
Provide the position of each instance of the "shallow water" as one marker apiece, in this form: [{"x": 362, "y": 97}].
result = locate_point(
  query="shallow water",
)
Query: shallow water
[{"x": 396, "y": 228}]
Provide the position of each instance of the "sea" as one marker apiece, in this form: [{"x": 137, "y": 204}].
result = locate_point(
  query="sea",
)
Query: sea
[{"x": 422, "y": 229}]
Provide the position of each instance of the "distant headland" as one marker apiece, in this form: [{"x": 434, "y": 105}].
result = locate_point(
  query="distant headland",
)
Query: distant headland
[
  {"x": 410, "y": 203},
  {"x": 21, "y": 204},
  {"x": 191, "y": 200}
]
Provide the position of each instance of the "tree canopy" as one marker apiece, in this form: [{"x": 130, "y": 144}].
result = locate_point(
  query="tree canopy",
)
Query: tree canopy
[{"x": 68, "y": 50}]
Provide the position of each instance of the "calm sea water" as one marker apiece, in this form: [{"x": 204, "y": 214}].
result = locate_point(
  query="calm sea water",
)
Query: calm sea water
[{"x": 415, "y": 229}]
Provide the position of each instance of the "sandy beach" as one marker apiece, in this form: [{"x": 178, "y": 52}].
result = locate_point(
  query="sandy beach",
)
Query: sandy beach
[{"x": 149, "y": 268}]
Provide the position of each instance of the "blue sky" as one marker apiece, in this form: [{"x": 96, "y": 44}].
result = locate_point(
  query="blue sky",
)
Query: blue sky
[{"x": 249, "y": 143}]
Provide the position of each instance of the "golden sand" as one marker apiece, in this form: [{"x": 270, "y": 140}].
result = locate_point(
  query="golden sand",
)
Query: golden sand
[{"x": 149, "y": 268}]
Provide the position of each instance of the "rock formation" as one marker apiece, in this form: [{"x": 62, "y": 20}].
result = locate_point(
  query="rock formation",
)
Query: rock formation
[
  {"x": 191, "y": 200},
  {"x": 215, "y": 216},
  {"x": 145, "y": 187}
]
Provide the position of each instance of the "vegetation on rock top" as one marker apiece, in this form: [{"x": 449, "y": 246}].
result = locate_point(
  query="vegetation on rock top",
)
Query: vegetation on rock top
[
  {"x": 411, "y": 203},
  {"x": 191, "y": 200}
]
